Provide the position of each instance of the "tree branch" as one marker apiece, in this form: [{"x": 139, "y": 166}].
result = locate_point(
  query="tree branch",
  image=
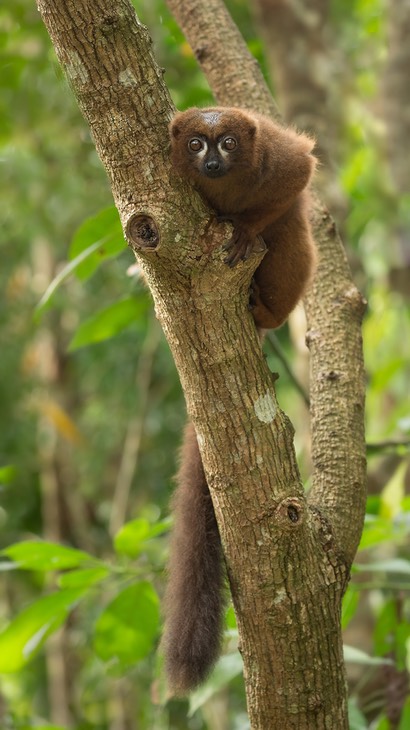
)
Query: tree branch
[
  {"x": 333, "y": 305},
  {"x": 274, "y": 344}
]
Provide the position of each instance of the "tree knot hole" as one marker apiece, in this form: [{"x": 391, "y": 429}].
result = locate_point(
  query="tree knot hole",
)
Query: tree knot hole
[
  {"x": 290, "y": 512},
  {"x": 142, "y": 232},
  {"x": 201, "y": 52},
  {"x": 333, "y": 375},
  {"x": 293, "y": 513}
]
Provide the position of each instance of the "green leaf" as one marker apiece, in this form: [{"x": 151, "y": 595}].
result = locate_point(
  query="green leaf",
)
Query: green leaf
[
  {"x": 97, "y": 239},
  {"x": 109, "y": 322},
  {"x": 349, "y": 605},
  {"x": 7, "y": 474},
  {"x": 395, "y": 565},
  {"x": 126, "y": 630},
  {"x": 402, "y": 640},
  {"x": 63, "y": 275},
  {"x": 84, "y": 577},
  {"x": 130, "y": 539},
  {"x": 227, "y": 668},
  {"x": 38, "y": 555},
  {"x": 393, "y": 492},
  {"x": 383, "y": 723},
  {"x": 101, "y": 237},
  {"x": 357, "y": 720},
  {"x": 372, "y": 505},
  {"x": 230, "y": 619},
  {"x": 356, "y": 656},
  {"x": 385, "y": 628},
  {"x": 380, "y": 529},
  {"x": 26, "y": 634},
  {"x": 405, "y": 716}
]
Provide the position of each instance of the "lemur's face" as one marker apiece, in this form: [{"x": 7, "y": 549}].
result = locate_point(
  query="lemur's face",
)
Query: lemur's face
[
  {"x": 212, "y": 156},
  {"x": 206, "y": 142}
]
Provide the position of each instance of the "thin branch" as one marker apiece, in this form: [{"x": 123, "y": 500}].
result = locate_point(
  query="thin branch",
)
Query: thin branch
[
  {"x": 399, "y": 445},
  {"x": 275, "y": 346},
  {"x": 232, "y": 72}
]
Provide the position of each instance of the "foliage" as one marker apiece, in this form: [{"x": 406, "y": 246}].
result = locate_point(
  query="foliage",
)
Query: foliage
[{"x": 92, "y": 409}]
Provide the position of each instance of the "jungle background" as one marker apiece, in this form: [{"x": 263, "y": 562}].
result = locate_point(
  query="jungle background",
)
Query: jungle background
[{"x": 92, "y": 411}]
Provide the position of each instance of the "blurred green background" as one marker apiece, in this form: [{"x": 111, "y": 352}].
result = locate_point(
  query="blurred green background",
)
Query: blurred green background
[{"x": 92, "y": 412}]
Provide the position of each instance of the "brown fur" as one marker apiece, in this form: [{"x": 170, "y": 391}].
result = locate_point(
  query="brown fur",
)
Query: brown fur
[
  {"x": 194, "y": 600},
  {"x": 259, "y": 186}
]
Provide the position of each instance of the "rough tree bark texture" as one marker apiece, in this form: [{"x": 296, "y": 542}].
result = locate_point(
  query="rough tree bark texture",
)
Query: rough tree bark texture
[{"x": 288, "y": 559}]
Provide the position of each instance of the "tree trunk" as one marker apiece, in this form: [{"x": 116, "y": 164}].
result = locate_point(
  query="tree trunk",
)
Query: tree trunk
[{"x": 288, "y": 558}]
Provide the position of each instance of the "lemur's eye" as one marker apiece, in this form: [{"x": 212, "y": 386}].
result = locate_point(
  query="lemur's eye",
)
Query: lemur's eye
[
  {"x": 195, "y": 144},
  {"x": 229, "y": 144}
]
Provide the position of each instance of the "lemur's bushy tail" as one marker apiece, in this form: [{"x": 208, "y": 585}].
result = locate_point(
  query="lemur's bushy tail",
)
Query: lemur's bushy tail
[{"x": 195, "y": 599}]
